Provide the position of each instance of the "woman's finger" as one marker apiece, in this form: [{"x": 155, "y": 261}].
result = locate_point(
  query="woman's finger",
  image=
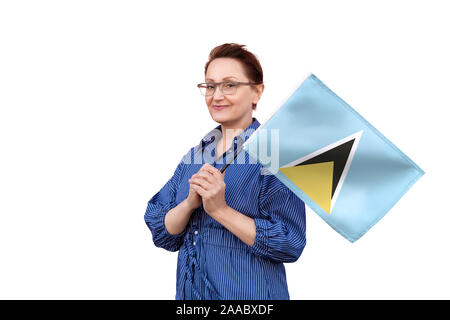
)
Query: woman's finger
[
  {"x": 198, "y": 189},
  {"x": 201, "y": 182},
  {"x": 208, "y": 176},
  {"x": 214, "y": 172}
]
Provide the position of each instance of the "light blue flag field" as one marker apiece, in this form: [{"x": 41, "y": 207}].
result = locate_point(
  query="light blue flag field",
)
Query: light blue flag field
[{"x": 340, "y": 165}]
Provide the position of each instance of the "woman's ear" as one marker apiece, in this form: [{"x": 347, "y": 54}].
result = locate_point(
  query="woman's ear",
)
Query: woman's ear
[{"x": 259, "y": 91}]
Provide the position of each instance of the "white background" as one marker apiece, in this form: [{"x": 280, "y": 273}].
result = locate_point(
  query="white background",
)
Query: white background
[{"x": 98, "y": 103}]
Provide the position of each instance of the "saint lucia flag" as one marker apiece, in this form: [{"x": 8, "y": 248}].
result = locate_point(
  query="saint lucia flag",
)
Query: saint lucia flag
[{"x": 333, "y": 159}]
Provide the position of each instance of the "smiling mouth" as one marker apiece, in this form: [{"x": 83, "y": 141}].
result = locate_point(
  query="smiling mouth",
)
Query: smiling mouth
[{"x": 218, "y": 107}]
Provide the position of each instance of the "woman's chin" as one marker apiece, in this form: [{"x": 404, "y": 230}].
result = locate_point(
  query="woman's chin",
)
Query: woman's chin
[{"x": 220, "y": 116}]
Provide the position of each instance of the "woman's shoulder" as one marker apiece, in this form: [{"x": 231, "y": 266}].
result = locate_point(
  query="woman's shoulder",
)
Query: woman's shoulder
[{"x": 187, "y": 158}]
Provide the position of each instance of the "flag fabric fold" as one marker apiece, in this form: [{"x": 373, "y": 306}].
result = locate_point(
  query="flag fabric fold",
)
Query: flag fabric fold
[{"x": 339, "y": 164}]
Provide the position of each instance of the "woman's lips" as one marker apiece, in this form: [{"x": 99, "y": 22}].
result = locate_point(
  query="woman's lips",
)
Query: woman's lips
[{"x": 219, "y": 107}]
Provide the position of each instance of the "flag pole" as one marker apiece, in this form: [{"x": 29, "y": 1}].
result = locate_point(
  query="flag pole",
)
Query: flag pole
[{"x": 230, "y": 161}]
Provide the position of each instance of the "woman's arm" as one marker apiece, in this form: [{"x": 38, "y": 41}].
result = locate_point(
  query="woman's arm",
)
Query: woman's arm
[
  {"x": 177, "y": 218},
  {"x": 209, "y": 183},
  {"x": 237, "y": 223},
  {"x": 165, "y": 217},
  {"x": 278, "y": 235},
  {"x": 157, "y": 209}
]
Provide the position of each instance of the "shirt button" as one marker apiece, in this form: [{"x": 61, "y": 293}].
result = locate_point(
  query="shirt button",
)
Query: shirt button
[
  {"x": 195, "y": 232},
  {"x": 194, "y": 243}
]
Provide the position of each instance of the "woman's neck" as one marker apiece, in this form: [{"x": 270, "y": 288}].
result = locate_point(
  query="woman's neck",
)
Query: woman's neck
[{"x": 229, "y": 131}]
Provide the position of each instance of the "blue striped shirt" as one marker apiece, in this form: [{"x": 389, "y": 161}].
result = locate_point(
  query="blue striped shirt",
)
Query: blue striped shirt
[{"x": 212, "y": 262}]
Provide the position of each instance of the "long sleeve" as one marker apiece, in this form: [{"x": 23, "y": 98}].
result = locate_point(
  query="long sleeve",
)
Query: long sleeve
[
  {"x": 157, "y": 208},
  {"x": 281, "y": 232}
]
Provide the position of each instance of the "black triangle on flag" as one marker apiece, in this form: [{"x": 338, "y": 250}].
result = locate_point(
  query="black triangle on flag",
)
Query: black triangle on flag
[{"x": 339, "y": 156}]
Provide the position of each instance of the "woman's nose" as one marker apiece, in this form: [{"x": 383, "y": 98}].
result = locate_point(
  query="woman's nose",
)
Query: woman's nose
[{"x": 218, "y": 93}]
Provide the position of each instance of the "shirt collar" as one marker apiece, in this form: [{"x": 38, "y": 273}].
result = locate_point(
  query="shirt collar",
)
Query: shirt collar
[{"x": 217, "y": 132}]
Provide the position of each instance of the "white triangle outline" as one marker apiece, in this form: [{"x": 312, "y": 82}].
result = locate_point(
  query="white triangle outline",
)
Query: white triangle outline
[{"x": 357, "y": 137}]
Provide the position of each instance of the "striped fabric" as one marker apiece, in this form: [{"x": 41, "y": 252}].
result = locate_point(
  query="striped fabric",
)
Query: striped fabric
[{"x": 212, "y": 262}]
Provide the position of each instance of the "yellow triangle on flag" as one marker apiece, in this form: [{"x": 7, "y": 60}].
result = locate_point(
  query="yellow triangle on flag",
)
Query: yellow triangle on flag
[{"x": 316, "y": 180}]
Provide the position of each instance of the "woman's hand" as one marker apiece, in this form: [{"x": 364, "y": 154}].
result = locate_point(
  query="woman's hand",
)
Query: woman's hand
[
  {"x": 193, "y": 199},
  {"x": 209, "y": 183}
]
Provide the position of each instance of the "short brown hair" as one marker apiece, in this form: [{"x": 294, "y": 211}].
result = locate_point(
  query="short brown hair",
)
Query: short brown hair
[{"x": 252, "y": 67}]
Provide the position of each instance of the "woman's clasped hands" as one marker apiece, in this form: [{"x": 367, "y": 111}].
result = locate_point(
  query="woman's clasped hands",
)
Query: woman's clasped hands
[{"x": 209, "y": 184}]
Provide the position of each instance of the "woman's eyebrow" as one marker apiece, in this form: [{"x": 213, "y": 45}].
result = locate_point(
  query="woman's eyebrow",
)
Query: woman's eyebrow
[{"x": 222, "y": 79}]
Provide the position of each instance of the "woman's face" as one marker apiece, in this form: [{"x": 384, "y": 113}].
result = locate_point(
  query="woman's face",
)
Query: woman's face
[{"x": 238, "y": 107}]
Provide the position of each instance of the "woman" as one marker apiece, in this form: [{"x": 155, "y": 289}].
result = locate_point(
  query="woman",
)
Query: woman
[{"x": 233, "y": 230}]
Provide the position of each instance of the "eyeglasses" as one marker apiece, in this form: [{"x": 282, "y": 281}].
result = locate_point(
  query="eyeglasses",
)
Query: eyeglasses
[{"x": 226, "y": 87}]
